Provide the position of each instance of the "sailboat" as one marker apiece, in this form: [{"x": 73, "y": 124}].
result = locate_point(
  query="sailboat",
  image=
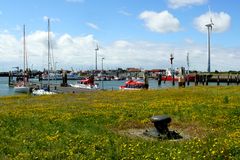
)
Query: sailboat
[
  {"x": 21, "y": 85},
  {"x": 43, "y": 91}
]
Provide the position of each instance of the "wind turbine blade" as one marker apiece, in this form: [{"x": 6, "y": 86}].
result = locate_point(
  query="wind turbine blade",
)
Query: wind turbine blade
[{"x": 210, "y": 14}]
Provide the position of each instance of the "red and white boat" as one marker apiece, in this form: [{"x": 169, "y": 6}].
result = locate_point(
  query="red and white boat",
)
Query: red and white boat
[
  {"x": 169, "y": 75},
  {"x": 177, "y": 76},
  {"x": 133, "y": 85},
  {"x": 87, "y": 83}
]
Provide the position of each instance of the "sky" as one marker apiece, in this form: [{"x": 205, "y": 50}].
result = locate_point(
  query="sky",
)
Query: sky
[{"x": 129, "y": 33}]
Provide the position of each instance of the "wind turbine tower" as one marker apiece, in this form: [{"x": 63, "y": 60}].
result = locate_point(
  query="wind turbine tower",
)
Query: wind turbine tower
[
  {"x": 209, "y": 27},
  {"x": 96, "y": 50}
]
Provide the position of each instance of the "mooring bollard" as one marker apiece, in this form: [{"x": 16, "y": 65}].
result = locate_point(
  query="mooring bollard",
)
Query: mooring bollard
[
  {"x": 161, "y": 123},
  {"x": 161, "y": 130}
]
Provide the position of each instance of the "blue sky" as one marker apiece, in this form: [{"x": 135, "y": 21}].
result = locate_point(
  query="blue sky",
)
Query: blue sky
[{"x": 130, "y": 33}]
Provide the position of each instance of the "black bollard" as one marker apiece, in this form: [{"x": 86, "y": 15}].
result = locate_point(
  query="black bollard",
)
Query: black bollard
[
  {"x": 161, "y": 123},
  {"x": 161, "y": 131}
]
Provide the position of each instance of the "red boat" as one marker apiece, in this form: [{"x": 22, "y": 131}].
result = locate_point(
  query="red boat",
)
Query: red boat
[
  {"x": 169, "y": 76},
  {"x": 87, "y": 83},
  {"x": 133, "y": 85}
]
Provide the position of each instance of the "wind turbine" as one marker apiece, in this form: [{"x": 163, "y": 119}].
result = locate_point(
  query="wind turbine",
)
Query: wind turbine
[{"x": 209, "y": 27}]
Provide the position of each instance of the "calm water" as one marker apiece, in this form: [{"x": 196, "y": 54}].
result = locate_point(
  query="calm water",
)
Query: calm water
[
  {"x": 4, "y": 89},
  {"x": 109, "y": 85}
]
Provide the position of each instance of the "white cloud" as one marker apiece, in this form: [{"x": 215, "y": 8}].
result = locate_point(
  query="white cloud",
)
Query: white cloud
[
  {"x": 78, "y": 52},
  {"x": 222, "y": 22},
  {"x": 10, "y": 48},
  {"x": 156, "y": 55},
  {"x": 92, "y": 25},
  {"x": 185, "y": 3},
  {"x": 161, "y": 22}
]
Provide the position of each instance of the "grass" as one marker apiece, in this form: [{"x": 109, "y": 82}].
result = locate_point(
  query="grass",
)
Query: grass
[{"x": 89, "y": 125}]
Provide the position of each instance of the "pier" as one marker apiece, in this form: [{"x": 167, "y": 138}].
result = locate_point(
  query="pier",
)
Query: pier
[
  {"x": 60, "y": 89},
  {"x": 204, "y": 79}
]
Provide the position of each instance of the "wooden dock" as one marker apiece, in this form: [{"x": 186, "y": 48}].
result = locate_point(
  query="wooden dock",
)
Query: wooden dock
[{"x": 60, "y": 89}]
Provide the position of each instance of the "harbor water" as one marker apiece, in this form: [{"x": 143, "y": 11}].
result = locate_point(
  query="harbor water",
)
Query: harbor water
[{"x": 5, "y": 90}]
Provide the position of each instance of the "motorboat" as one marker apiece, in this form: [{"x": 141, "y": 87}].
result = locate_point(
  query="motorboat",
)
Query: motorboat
[
  {"x": 133, "y": 85},
  {"x": 87, "y": 83},
  {"x": 171, "y": 75},
  {"x": 176, "y": 75}
]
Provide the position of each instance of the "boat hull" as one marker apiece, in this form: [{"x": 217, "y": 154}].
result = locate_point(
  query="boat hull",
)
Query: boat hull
[
  {"x": 130, "y": 89},
  {"x": 84, "y": 86},
  {"x": 22, "y": 89},
  {"x": 169, "y": 78},
  {"x": 40, "y": 92}
]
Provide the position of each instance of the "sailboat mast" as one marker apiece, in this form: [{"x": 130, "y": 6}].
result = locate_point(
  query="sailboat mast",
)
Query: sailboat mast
[
  {"x": 24, "y": 50},
  {"x": 48, "y": 49},
  {"x": 24, "y": 56}
]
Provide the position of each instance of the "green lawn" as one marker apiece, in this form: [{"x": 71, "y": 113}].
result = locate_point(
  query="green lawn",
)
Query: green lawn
[{"x": 93, "y": 125}]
